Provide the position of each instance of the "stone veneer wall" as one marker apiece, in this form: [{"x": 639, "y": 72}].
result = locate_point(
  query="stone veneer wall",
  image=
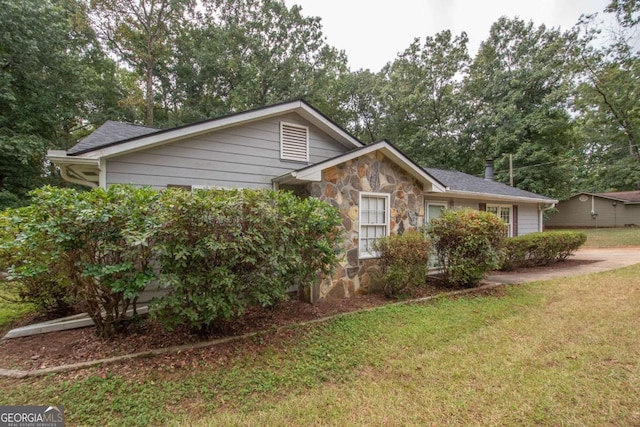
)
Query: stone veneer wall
[{"x": 341, "y": 186}]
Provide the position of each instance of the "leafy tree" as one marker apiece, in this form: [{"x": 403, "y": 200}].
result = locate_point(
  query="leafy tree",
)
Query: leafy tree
[
  {"x": 518, "y": 85},
  {"x": 363, "y": 106},
  {"x": 627, "y": 11},
  {"x": 424, "y": 108},
  {"x": 250, "y": 53},
  {"x": 54, "y": 79},
  {"x": 606, "y": 104},
  {"x": 142, "y": 35}
]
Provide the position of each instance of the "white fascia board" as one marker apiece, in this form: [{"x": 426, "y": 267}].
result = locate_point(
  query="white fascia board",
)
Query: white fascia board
[
  {"x": 60, "y": 158},
  {"x": 187, "y": 131},
  {"x": 491, "y": 197}
]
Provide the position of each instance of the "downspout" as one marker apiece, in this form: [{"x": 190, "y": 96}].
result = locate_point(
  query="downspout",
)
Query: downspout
[{"x": 541, "y": 215}]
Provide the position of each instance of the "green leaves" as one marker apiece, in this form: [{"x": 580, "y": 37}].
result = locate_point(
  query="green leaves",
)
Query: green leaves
[
  {"x": 98, "y": 243},
  {"x": 221, "y": 251},
  {"x": 540, "y": 248},
  {"x": 403, "y": 261},
  {"x": 468, "y": 244}
]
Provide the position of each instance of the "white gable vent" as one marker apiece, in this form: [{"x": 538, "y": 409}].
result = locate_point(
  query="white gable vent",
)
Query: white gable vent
[{"x": 294, "y": 142}]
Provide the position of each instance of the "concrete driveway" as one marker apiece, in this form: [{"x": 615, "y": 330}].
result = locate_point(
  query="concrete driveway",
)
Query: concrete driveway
[{"x": 603, "y": 259}]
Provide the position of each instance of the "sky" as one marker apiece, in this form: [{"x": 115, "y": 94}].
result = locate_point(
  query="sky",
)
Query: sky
[{"x": 373, "y": 32}]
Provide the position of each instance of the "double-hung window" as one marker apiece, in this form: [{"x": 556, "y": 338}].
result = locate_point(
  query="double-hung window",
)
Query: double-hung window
[
  {"x": 504, "y": 213},
  {"x": 374, "y": 221}
]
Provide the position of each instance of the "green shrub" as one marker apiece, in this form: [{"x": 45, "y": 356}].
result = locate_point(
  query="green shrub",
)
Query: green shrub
[
  {"x": 403, "y": 261},
  {"x": 49, "y": 293},
  {"x": 99, "y": 240},
  {"x": 467, "y": 243},
  {"x": 539, "y": 249},
  {"x": 221, "y": 251}
]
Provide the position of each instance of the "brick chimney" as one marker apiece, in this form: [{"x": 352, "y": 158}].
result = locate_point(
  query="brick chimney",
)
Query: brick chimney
[{"x": 488, "y": 170}]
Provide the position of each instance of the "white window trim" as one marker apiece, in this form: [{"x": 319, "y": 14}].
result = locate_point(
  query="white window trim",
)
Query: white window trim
[
  {"x": 282, "y": 155},
  {"x": 510, "y": 225},
  {"x": 386, "y": 196}
]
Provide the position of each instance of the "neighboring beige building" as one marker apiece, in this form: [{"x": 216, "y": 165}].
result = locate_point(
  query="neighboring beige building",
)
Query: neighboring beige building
[{"x": 593, "y": 210}]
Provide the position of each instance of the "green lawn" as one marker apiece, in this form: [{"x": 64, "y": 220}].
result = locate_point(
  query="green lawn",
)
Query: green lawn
[
  {"x": 612, "y": 237},
  {"x": 563, "y": 352}
]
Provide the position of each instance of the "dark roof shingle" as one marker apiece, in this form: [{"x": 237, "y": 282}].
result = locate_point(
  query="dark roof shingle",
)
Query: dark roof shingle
[
  {"x": 108, "y": 133},
  {"x": 459, "y": 181}
]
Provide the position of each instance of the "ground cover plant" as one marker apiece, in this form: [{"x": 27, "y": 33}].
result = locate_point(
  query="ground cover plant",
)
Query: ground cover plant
[{"x": 551, "y": 353}]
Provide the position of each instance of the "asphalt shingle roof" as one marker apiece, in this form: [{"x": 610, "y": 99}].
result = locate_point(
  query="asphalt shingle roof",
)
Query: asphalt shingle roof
[
  {"x": 108, "y": 133},
  {"x": 459, "y": 181}
]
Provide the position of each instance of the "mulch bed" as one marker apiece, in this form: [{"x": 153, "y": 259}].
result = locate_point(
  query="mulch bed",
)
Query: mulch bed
[{"x": 81, "y": 345}]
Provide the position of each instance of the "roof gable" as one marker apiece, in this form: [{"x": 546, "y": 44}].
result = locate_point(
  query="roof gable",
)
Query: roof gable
[
  {"x": 626, "y": 197},
  {"x": 314, "y": 172},
  {"x": 158, "y": 137}
]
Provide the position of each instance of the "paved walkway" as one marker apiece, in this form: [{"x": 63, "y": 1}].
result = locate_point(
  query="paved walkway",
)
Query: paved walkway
[{"x": 605, "y": 259}]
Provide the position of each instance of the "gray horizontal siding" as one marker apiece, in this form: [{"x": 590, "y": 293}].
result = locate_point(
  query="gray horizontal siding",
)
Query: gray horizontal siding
[
  {"x": 240, "y": 157},
  {"x": 528, "y": 219}
]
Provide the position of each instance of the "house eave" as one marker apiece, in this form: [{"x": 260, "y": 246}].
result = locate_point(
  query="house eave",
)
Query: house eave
[
  {"x": 83, "y": 171},
  {"x": 498, "y": 197}
]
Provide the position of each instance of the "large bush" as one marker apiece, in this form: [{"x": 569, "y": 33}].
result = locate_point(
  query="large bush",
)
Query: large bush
[
  {"x": 220, "y": 251},
  {"x": 48, "y": 290},
  {"x": 403, "y": 261},
  {"x": 467, "y": 244},
  {"x": 539, "y": 249},
  {"x": 100, "y": 241}
]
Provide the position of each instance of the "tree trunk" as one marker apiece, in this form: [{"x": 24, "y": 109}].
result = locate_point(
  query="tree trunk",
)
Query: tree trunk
[{"x": 148, "y": 118}]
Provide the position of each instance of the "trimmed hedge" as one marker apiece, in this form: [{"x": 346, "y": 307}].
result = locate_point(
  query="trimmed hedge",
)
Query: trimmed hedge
[
  {"x": 539, "y": 249},
  {"x": 403, "y": 261}
]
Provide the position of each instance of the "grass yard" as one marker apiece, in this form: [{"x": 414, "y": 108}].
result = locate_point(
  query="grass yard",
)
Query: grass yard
[
  {"x": 611, "y": 237},
  {"x": 562, "y": 352},
  {"x": 10, "y": 312}
]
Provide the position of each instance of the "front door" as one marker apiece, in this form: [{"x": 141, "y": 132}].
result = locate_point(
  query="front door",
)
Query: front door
[{"x": 434, "y": 210}]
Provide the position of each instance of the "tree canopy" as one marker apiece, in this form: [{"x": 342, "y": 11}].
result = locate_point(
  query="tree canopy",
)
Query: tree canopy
[{"x": 562, "y": 103}]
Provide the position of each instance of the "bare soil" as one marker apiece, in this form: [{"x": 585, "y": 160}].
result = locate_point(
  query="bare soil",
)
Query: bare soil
[{"x": 81, "y": 345}]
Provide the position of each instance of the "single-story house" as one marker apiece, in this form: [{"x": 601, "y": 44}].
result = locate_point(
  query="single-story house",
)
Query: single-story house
[
  {"x": 292, "y": 146},
  {"x": 593, "y": 210}
]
